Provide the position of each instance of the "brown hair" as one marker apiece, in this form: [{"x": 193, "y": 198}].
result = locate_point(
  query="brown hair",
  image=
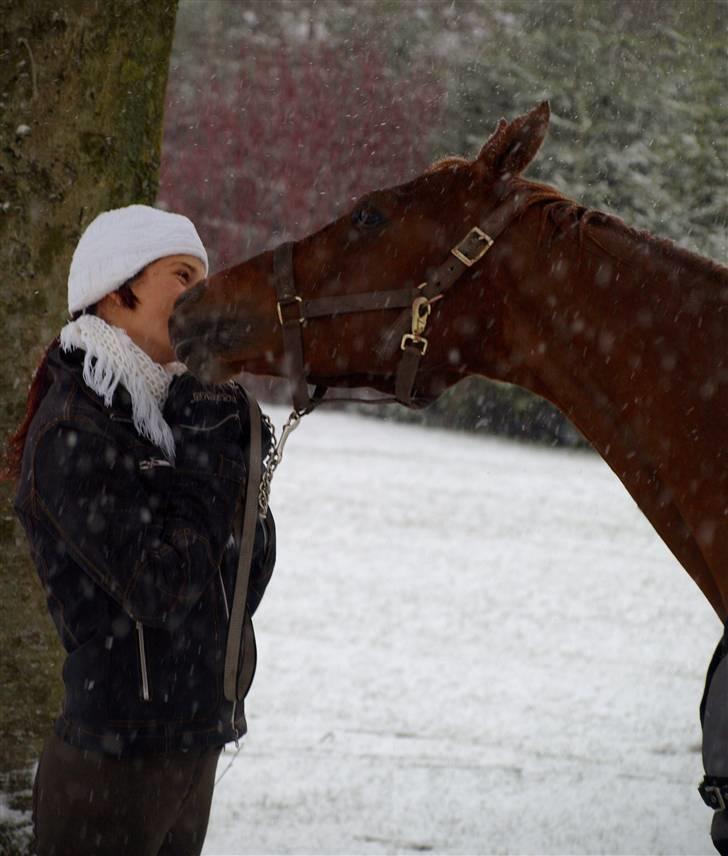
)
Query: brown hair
[{"x": 12, "y": 455}]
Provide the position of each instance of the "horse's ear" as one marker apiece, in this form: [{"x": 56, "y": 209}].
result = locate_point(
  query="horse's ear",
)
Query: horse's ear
[{"x": 513, "y": 145}]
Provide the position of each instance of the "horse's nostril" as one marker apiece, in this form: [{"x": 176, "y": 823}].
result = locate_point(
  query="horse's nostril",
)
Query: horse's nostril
[{"x": 192, "y": 295}]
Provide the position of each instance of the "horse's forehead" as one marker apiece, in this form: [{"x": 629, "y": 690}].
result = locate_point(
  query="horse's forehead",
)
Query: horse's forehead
[{"x": 430, "y": 185}]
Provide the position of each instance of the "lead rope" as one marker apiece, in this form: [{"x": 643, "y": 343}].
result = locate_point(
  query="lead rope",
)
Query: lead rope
[{"x": 270, "y": 464}]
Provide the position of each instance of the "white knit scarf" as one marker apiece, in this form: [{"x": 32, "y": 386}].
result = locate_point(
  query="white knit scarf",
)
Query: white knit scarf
[{"x": 112, "y": 358}]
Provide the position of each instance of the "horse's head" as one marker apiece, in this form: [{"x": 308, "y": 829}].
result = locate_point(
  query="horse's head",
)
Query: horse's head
[{"x": 390, "y": 243}]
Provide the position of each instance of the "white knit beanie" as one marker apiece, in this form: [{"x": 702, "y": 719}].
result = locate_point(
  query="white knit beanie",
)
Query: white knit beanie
[{"x": 119, "y": 243}]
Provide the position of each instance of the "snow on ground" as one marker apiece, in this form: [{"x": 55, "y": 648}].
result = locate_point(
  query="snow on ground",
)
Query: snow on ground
[{"x": 468, "y": 646}]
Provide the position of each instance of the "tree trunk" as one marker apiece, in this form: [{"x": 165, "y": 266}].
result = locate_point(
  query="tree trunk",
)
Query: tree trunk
[{"x": 81, "y": 99}]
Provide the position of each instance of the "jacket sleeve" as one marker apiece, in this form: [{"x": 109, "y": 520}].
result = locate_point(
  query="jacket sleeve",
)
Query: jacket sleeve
[{"x": 149, "y": 534}]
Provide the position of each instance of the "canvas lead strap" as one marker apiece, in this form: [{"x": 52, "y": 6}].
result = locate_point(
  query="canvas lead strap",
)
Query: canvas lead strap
[{"x": 238, "y": 628}]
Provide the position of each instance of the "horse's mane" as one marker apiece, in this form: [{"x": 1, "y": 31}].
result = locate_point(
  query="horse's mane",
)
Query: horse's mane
[
  {"x": 447, "y": 163},
  {"x": 563, "y": 214}
]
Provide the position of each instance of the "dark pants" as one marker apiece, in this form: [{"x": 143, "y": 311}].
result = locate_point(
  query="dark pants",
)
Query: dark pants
[{"x": 90, "y": 804}]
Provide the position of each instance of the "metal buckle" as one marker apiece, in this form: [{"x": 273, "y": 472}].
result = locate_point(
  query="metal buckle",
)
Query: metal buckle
[
  {"x": 417, "y": 341},
  {"x": 421, "y": 310},
  {"x": 457, "y": 250},
  {"x": 706, "y": 791},
  {"x": 289, "y": 301}
]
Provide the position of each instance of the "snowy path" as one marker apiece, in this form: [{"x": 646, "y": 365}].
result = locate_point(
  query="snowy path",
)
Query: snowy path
[{"x": 469, "y": 646}]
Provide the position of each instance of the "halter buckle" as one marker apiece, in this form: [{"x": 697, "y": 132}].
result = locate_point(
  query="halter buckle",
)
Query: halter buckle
[
  {"x": 290, "y": 301},
  {"x": 421, "y": 310},
  {"x": 418, "y": 341},
  {"x": 473, "y": 247}
]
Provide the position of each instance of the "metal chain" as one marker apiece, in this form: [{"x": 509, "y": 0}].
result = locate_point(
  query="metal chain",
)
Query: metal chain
[
  {"x": 272, "y": 459},
  {"x": 275, "y": 456}
]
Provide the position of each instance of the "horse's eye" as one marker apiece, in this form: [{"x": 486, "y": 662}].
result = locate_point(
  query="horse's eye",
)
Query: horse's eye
[{"x": 367, "y": 216}]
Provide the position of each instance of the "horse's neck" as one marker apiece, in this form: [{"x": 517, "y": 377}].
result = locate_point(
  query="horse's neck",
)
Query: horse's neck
[
  {"x": 639, "y": 322},
  {"x": 629, "y": 337}
]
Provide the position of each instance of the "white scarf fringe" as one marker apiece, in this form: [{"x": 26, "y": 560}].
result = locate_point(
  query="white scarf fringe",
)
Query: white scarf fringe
[{"x": 112, "y": 358}]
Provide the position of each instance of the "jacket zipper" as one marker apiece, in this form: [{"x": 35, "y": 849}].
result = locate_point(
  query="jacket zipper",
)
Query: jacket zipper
[
  {"x": 224, "y": 595},
  {"x": 143, "y": 661}
]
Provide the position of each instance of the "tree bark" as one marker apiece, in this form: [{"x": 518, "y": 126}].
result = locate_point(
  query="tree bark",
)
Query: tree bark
[{"x": 82, "y": 86}]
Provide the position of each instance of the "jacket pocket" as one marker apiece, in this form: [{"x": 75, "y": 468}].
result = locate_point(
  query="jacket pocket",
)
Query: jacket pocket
[{"x": 145, "y": 691}]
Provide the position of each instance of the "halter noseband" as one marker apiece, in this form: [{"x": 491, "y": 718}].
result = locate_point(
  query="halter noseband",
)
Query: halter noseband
[{"x": 294, "y": 312}]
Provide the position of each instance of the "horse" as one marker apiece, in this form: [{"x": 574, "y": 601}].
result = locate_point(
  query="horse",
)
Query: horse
[{"x": 472, "y": 269}]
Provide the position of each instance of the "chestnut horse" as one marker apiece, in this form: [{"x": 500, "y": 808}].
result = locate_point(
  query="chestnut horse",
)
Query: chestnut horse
[{"x": 625, "y": 333}]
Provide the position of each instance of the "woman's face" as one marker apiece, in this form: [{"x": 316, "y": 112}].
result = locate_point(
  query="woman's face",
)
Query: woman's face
[{"x": 157, "y": 289}]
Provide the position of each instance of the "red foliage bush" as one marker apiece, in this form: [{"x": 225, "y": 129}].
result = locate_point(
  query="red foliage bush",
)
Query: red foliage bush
[{"x": 280, "y": 139}]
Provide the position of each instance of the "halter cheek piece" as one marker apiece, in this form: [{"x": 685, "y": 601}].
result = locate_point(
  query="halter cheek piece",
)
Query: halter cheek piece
[{"x": 294, "y": 312}]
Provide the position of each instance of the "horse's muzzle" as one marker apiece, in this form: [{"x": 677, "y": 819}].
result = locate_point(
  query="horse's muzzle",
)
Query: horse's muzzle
[
  {"x": 191, "y": 296},
  {"x": 182, "y": 322},
  {"x": 198, "y": 335}
]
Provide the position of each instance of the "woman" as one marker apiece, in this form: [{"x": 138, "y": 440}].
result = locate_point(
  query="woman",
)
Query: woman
[{"x": 130, "y": 475}]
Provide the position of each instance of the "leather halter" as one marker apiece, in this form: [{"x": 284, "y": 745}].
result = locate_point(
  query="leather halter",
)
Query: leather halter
[{"x": 294, "y": 311}]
